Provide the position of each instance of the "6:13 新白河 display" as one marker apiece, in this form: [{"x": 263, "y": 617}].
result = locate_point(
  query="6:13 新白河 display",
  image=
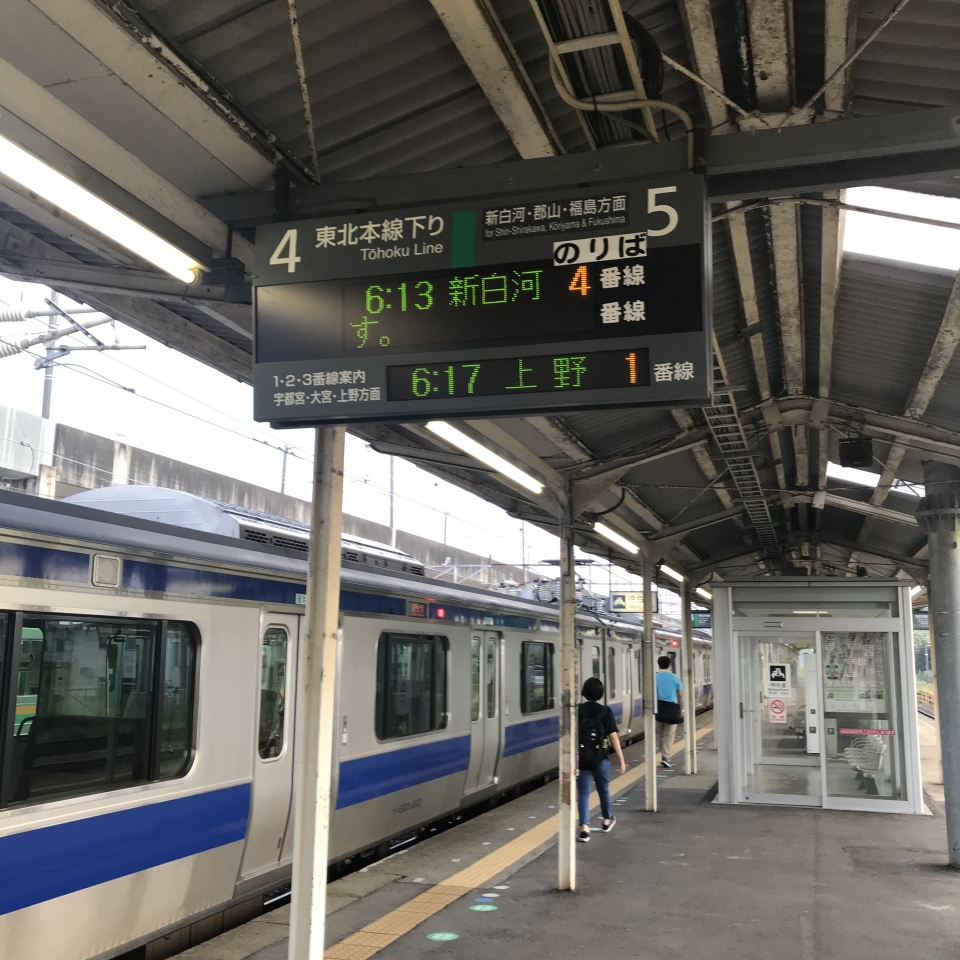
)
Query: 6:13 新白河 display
[
  {"x": 529, "y": 302},
  {"x": 549, "y": 373}
]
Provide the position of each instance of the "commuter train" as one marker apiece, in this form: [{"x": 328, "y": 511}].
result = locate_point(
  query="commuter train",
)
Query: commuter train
[{"x": 148, "y": 656}]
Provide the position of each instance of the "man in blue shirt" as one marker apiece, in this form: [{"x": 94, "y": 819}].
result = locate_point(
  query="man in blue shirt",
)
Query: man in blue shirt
[{"x": 669, "y": 709}]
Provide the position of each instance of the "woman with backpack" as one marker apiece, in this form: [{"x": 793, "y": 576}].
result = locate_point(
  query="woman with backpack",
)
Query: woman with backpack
[{"x": 597, "y": 733}]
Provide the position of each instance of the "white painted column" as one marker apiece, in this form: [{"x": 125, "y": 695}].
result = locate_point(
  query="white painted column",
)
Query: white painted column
[
  {"x": 649, "y": 698},
  {"x": 567, "y": 840},
  {"x": 689, "y": 688},
  {"x": 316, "y": 689}
]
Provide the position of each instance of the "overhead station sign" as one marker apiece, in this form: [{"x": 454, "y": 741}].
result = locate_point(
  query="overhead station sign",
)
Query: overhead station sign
[{"x": 515, "y": 304}]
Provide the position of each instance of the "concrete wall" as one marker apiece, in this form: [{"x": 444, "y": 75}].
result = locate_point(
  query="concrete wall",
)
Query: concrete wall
[
  {"x": 19, "y": 444},
  {"x": 84, "y": 461}
]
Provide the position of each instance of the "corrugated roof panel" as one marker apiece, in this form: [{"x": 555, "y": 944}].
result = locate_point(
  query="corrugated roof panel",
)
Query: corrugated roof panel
[
  {"x": 610, "y": 433},
  {"x": 675, "y": 488},
  {"x": 728, "y": 321},
  {"x": 389, "y": 90},
  {"x": 811, "y": 234},
  {"x": 914, "y": 61},
  {"x": 888, "y": 315},
  {"x": 808, "y": 47},
  {"x": 758, "y": 226}
]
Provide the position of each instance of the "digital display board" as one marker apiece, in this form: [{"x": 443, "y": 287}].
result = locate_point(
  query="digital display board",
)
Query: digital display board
[{"x": 590, "y": 299}]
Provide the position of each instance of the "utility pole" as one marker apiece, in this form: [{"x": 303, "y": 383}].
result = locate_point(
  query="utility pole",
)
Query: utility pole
[{"x": 47, "y": 477}]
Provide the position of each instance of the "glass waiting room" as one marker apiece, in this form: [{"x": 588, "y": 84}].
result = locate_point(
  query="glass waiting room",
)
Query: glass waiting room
[{"x": 815, "y": 693}]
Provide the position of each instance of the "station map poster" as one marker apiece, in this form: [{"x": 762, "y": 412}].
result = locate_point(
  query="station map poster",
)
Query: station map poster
[
  {"x": 855, "y": 672},
  {"x": 569, "y": 299}
]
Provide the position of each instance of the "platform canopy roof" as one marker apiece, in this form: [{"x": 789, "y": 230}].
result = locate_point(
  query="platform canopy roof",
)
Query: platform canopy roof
[{"x": 204, "y": 118}]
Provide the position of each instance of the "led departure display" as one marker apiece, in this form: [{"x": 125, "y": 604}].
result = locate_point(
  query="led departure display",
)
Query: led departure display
[
  {"x": 593, "y": 298},
  {"x": 548, "y": 373}
]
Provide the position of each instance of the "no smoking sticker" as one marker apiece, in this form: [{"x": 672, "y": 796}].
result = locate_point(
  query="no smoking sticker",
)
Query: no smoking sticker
[{"x": 778, "y": 711}]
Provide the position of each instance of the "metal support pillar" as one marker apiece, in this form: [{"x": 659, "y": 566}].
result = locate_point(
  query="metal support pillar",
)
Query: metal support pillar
[
  {"x": 649, "y": 686},
  {"x": 316, "y": 693},
  {"x": 938, "y": 514},
  {"x": 689, "y": 689},
  {"x": 567, "y": 845}
]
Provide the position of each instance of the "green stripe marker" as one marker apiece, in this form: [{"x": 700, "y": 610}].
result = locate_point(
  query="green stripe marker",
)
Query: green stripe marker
[
  {"x": 443, "y": 936},
  {"x": 482, "y": 907}
]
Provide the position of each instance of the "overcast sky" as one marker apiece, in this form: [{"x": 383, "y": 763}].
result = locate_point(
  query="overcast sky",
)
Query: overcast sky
[{"x": 165, "y": 402}]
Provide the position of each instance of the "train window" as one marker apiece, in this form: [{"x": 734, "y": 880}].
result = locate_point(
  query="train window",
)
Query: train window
[
  {"x": 178, "y": 668},
  {"x": 536, "y": 676},
  {"x": 491, "y": 677},
  {"x": 474, "y": 678},
  {"x": 411, "y": 684},
  {"x": 707, "y": 674},
  {"x": 100, "y": 705},
  {"x": 611, "y": 672},
  {"x": 273, "y": 689},
  {"x": 595, "y": 666}
]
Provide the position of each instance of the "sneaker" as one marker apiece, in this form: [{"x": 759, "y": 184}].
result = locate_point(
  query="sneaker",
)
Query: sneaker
[
  {"x": 607, "y": 827},
  {"x": 666, "y": 764},
  {"x": 583, "y": 837}
]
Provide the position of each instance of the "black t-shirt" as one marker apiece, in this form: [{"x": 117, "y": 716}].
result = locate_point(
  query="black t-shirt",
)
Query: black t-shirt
[{"x": 599, "y": 711}]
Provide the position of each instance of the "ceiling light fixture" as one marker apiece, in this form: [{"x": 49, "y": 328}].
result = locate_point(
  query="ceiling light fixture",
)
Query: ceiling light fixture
[
  {"x": 478, "y": 451},
  {"x": 670, "y": 572},
  {"x": 609, "y": 534},
  {"x": 706, "y": 594},
  {"x": 40, "y": 178},
  {"x": 915, "y": 590}
]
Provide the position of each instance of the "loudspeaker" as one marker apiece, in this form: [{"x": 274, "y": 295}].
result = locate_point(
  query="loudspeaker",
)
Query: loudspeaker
[{"x": 857, "y": 452}]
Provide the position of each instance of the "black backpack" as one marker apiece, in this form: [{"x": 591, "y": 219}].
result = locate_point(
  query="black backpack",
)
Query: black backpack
[{"x": 591, "y": 753}]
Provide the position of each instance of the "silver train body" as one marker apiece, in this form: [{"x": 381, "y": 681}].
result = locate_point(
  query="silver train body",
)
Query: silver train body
[{"x": 147, "y": 767}]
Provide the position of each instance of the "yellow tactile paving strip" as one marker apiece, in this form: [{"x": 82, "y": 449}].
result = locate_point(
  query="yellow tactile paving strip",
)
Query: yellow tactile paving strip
[{"x": 393, "y": 925}]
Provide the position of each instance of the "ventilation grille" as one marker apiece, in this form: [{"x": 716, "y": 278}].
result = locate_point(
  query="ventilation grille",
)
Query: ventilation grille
[
  {"x": 291, "y": 541},
  {"x": 106, "y": 571}
]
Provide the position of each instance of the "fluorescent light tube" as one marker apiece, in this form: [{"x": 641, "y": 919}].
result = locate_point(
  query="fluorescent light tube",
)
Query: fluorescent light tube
[
  {"x": 915, "y": 590},
  {"x": 670, "y": 572},
  {"x": 608, "y": 534},
  {"x": 468, "y": 445},
  {"x": 43, "y": 180},
  {"x": 706, "y": 594}
]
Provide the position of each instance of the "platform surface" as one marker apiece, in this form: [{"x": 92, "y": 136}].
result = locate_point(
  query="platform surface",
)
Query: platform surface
[{"x": 694, "y": 879}]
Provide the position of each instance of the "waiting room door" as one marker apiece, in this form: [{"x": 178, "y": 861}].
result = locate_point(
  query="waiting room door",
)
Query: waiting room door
[{"x": 780, "y": 719}]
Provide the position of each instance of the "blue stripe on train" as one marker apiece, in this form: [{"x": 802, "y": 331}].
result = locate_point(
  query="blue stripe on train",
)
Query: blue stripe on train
[
  {"x": 638, "y": 707},
  {"x": 369, "y": 777},
  {"x": 617, "y": 709},
  {"x": 520, "y": 737},
  {"x": 53, "y": 861},
  {"x": 43, "y": 563}
]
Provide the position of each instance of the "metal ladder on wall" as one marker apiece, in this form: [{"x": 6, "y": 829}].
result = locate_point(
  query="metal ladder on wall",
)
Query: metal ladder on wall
[{"x": 727, "y": 429}]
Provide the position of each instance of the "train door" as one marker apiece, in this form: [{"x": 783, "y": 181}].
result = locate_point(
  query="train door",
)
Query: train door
[
  {"x": 485, "y": 709},
  {"x": 273, "y": 749}
]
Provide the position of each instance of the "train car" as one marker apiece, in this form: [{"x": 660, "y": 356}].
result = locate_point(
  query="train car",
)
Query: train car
[{"x": 149, "y": 643}]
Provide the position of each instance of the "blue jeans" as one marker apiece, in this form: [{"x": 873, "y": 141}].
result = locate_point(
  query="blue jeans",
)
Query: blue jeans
[{"x": 585, "y": 779}]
